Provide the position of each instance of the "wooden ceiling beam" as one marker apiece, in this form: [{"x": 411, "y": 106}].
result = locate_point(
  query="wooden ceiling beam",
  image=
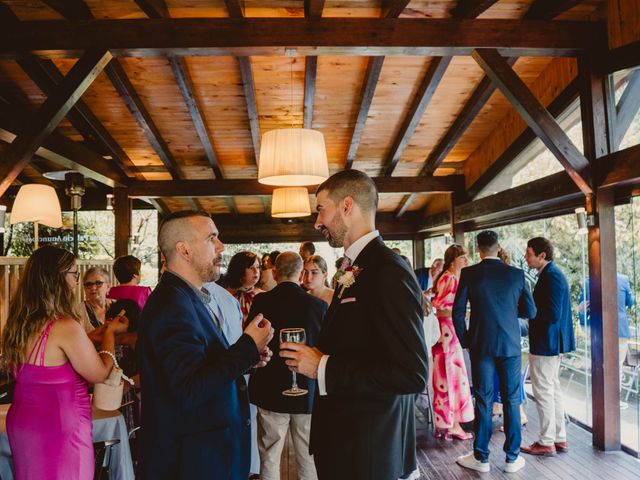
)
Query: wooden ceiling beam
[
  {"x": 224, "y": 188},
  {"x": 235, "y": 8},
  {"x": 549, "y": 9},
  {"x": 231, "y": 205},
  {"x": 310, "y": 70},
  {"x": 536, "y": 116},
  {"x": 471, "y": 8},
  {"x": 125, "y": 88},
  {"x": 405, "y": 204},
  {"x": 627, "y": 107},
  {"x": 181, "y": 72},
  {"x": 153, "y": 8},
  {"x": 427, "y": 88},
  {"x": 464, "y": 119},
  {"x": 71, "y": 9},
  {"x": 46, "y": 75},
  {"x": 313, "y": 8},
  {"x": 555, "y": 108},
  {"x": 621, "y": 58},
  {"x": 252, "y": 105},
  {"x": 48, "y": 116},
  {"x": 326, "y": 36},
  {"x": 621, "y": 168},
  {"x": 393, "y": 8},
  {"x": 160, "y": 206},
  {"x": 257, "y": 228},
  {"x": 65, "y": 152},
  {"x": 374, "y": 67}
]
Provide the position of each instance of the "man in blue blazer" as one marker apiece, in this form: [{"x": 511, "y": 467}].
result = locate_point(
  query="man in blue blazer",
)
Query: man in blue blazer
[
  {"x": 195, "y": 419},
  {"x": 498, "y": 295},
  {"x": 550, "y": 335}
]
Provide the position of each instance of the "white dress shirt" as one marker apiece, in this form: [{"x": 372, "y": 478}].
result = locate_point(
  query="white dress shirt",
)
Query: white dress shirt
[{"x": 352, "y": 254}]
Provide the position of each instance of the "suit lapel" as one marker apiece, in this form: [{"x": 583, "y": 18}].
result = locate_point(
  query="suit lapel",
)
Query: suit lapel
[{"x": 365, "y": 261}]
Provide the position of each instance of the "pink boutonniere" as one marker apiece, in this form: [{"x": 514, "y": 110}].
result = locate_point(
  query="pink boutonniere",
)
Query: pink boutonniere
[{"x": 347, "y": 277}]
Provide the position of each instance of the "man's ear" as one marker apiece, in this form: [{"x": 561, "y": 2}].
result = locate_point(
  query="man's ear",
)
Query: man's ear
[
  {"x": 300, "y": 276},
  {"x": 347, "y": 205},
  {"x": 183, "y": 250}
]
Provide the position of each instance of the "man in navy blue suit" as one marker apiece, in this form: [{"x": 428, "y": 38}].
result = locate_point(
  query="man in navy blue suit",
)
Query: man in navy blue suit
[
  {"x": 498, "y": 295},
  {"x": 550, "y": 335},
  {"x": 195, "y": 420}
]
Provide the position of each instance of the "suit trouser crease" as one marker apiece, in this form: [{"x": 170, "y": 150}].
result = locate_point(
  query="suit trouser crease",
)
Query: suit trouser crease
[
  {"x": 483, "y": 370},
  {"x": 545, "y": 382},
  {"x": 272, "y": 434}
]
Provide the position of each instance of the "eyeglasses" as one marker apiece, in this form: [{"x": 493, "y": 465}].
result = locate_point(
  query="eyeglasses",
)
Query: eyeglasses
[
  {"x": 75, "y": 274},
  {"x": 97, "y": 283}
]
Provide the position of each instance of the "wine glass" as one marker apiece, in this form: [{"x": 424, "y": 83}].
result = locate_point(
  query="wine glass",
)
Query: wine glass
[{"x": 295, "y": 335}]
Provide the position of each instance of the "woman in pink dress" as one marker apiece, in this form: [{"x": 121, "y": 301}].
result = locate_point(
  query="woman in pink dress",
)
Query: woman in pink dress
[
  {"x": 44, "y": 344},
  {"x": 127, "y": 271},
  {"x": 452, "y": 394}
]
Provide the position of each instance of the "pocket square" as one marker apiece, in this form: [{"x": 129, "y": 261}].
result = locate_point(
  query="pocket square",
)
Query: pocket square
[{"x": 348, "y": 300}]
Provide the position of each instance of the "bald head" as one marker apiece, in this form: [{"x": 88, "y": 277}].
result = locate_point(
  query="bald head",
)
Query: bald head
[{"x": 288, "y": 266}]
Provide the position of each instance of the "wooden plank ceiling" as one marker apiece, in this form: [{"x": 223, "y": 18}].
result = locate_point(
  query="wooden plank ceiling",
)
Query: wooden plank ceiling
[{"x": 383, "y": 125}]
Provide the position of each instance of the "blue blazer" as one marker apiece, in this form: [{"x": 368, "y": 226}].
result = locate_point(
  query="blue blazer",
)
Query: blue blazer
[
  {"x": 498, "y": 295},
  {"x": 551, "y": 331},
  {"x": 195, "y": 419}
]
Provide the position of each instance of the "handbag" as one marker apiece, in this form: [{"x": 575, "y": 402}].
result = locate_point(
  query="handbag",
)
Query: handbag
[{"x": 107, "y": 395}]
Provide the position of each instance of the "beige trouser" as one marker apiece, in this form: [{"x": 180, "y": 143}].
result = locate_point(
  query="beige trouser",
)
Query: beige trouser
[
  {"x": 272, "y": 433},
  {"x": 545, "y": 380}
]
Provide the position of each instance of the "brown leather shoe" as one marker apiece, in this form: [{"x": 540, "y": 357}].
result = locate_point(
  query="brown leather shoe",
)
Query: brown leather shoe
[
  {"x": 562, "y": 447},
  {"x": 538, "y": 449}
]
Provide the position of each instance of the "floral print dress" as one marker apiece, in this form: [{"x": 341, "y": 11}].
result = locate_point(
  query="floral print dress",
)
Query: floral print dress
[{"x": 452, "y": 394}]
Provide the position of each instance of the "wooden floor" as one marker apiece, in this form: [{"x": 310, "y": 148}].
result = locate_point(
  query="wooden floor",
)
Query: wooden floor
[{"x": 436, "y": 458}]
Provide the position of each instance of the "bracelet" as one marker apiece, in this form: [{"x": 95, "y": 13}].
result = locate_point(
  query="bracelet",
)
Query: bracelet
[
  {"x": 112, "y": 355},
  {"x": 115, "y": 364}
]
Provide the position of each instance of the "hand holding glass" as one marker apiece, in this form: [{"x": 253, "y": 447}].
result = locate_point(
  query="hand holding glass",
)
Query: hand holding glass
[{"x": 294, "y": 335}]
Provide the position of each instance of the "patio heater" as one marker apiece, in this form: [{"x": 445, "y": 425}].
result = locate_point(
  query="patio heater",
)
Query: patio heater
[{"x": 74, "y": 187}]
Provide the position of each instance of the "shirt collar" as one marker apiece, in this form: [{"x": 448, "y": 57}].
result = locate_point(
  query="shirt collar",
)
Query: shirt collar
[
  {"x": 491, "y": 257},
  {"x": 356, "y": 247},
  {"x": 203, "y": 294}
]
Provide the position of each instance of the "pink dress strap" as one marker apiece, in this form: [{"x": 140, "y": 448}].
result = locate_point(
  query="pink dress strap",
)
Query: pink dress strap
[{"x": 40, "y": 345}]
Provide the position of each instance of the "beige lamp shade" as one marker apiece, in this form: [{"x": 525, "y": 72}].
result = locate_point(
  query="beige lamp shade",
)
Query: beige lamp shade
[
  {"x": 37, "y": 203},
  {"x": 293, "y": 157},
  {"x": 290, "y": 202}
]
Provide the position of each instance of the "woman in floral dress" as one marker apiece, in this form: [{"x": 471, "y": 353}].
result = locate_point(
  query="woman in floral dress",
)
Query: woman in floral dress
[{"x": 452, "y": 394}]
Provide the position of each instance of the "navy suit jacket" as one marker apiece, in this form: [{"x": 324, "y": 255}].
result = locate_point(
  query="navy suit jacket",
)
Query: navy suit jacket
[
  {"x": 498, "y": 295},
  {"x": 195, "y": 419},
  {"x": 286, "y": 306},
  {"x": 551, "y": 331}
]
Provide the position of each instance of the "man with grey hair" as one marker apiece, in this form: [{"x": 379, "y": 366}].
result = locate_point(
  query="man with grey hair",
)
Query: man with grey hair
[
  {"x": 195, "y": 420},
  {"x": 371, "y": 357},
  {"x": 287, "y": 306}
]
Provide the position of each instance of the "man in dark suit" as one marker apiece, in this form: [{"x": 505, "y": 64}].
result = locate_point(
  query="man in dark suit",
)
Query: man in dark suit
[
  {"x": 371, "y": 358},
  {"x": 498, "y": 295},
  {"x": 286, "y": 306},
  {"x": 195, "y": 420},
  {"x": 550, "y": 335}
]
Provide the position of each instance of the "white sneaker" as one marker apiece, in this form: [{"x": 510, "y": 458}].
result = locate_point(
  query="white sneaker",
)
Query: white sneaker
[
  {"x": 517, "y": 464},
  {"x": 469, "y": 461}
]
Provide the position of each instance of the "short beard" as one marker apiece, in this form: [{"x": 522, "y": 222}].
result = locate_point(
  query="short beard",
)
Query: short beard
[
  {"x": 337, "y": 236},
  {"x": 208, "y": 273}
]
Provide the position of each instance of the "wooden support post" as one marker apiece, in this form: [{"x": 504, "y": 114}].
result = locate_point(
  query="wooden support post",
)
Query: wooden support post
[
  {"x": 122, "y": 212},
  {"x": 418, "y": 251},
  {"x": 457, "y": 229},
  {"x": 603, "y": 296}
]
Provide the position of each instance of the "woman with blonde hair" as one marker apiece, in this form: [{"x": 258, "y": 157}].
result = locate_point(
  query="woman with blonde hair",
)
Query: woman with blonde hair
[
  {"x": 452, "y": 403},
  {"x": 43, "y": 343},
  {"x": 315, "y": 278}
]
